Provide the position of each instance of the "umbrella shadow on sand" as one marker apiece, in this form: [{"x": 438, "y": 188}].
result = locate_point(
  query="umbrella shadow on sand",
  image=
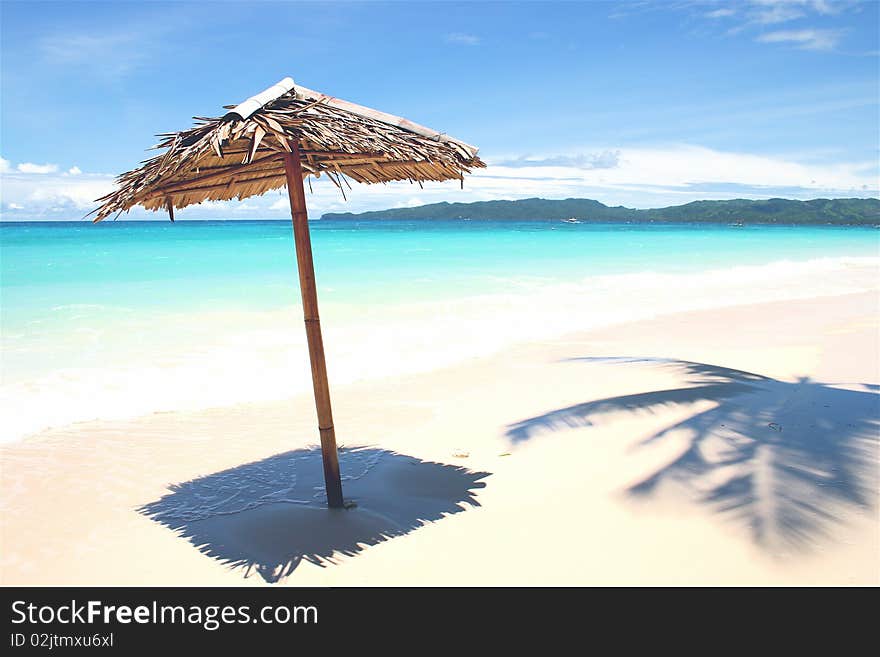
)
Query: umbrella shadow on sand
[
  {"x": 789, "y": 459},
  {"x": 270, "y": 515}
]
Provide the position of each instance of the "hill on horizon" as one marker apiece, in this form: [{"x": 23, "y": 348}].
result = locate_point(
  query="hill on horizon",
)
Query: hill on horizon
[{"x": 841, "y": 211}]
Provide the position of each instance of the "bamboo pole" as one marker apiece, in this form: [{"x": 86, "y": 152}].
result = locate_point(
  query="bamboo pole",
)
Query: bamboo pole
[{"x": 302, "y": 240}]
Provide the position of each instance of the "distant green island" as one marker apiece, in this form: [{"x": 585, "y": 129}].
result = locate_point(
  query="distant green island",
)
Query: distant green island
[{"x": 840, "y": 211}]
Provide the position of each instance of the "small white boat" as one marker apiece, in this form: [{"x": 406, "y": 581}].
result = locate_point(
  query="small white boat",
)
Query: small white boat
[{"x": 571, "y": 220}]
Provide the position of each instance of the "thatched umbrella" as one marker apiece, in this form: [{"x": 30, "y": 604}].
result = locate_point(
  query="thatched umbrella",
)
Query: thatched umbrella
[{"x": 277, "y": 138}]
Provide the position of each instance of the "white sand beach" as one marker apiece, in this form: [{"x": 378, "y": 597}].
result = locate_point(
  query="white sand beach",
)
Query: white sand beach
[{"x": 734, "y": 446}]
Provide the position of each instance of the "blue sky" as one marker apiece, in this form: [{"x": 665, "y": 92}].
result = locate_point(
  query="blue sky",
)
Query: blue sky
[{"x": 636, "y": 103}]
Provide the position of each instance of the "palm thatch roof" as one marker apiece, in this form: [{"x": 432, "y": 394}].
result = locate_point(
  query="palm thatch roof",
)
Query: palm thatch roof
[{"x": 241, "y": 153}]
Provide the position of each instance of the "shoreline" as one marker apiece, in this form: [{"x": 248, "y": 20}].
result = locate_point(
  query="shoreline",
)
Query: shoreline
[
  {"x": 556, "y": 482},
  {"x": 266, "y": 351}
]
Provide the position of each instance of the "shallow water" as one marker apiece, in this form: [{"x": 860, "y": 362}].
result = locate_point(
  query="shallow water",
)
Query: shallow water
[{"x": 119, "y": 319}]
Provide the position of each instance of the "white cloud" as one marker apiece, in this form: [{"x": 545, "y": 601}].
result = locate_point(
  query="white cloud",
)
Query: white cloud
[
  {"x": 652, "y": 176},
  {"x": 52, "y": 195},
  {"x": 756, "y": 16},
  {"x": 809, "y": 39},
  {"x": 74, "y": 171},
  {"x": 28, "y": 167},
  {"x": 607, "y": 159},
  {"x": 683, "y": 166},
  {"x": 777, "y": 13},
  {"x": 720, "y": 13},
  {"x": 818, "y": 6},
  {"x": 5, "y": 166},
  {"x": 463, "y": 38}
]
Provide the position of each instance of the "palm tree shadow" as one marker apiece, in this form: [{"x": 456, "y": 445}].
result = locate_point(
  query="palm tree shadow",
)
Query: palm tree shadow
[
  {"x": 270, "y": 515},
  {"x": 790, "y": 460}
]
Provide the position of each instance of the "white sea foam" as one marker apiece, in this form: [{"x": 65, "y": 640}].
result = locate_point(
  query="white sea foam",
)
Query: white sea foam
[{"x": 201, "y": 360}]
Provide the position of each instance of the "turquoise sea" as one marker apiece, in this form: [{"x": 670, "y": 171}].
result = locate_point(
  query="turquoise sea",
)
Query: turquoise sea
[
  {"x": 143, "y": 266},
  {"x": 94, "y": 309}
]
